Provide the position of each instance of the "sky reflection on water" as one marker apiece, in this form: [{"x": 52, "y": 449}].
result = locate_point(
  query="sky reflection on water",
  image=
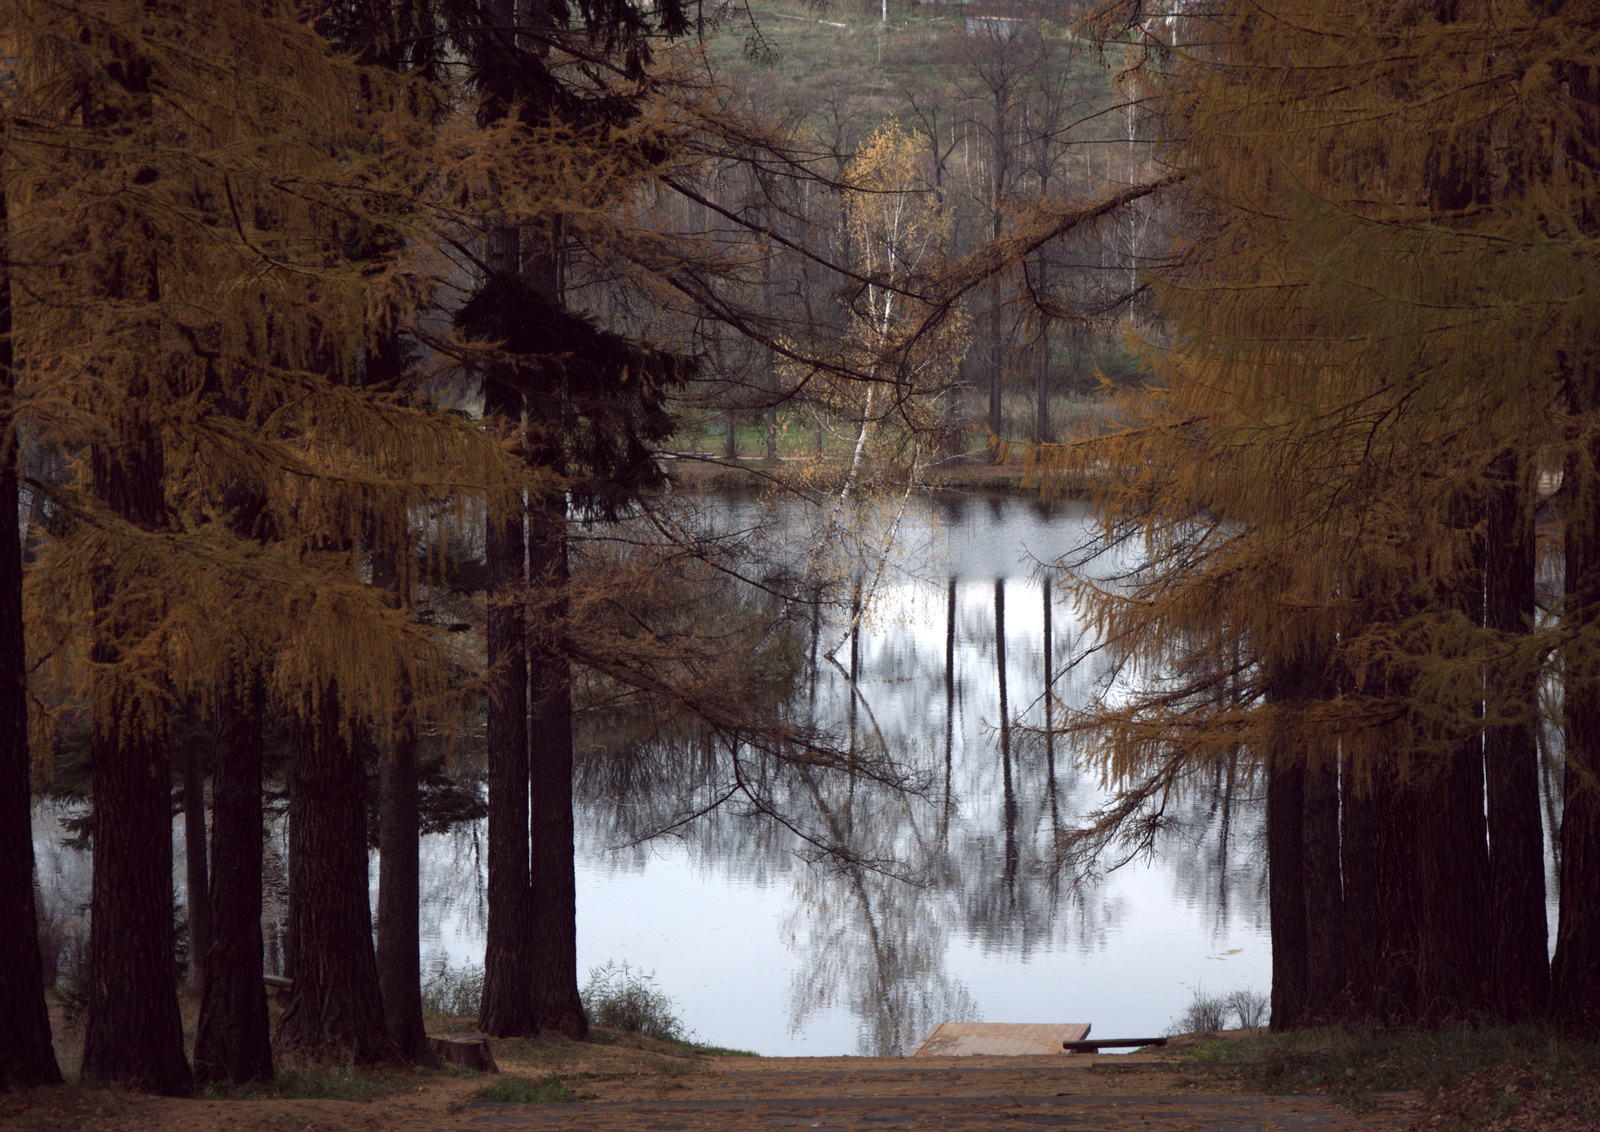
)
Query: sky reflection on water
[{"x": 768, "y": 950}]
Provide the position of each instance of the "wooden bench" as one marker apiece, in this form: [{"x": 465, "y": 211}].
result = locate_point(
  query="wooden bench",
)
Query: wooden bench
[{"x": 1112, "y": 1043}]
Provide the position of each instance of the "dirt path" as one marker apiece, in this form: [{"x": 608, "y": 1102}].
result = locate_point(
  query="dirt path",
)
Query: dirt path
[
  {"x": 932, "y": 1095},
  {"x": 638, "y": 1089}
]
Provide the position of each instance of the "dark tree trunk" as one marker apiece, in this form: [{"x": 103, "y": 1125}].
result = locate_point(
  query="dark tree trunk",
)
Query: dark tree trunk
[
  {"x": 1324, "y": 896},
  {"x": 1453, "y": 850},
  {"x": 1575, "y": 970},
  {"x": 554, "y": 897},
  {"x": 26, "y": 1055},
  {"x": 334, "y": 1015},
  {"x": 1358, "y": 859},
  {"x": 1519, "y": 965},
  {"x": 1292, "y": 872},
  {"x": 399, "y": 824},
  {"x": 505, "y": 1010},
  {"x": 1452, "y": 855},
  {"x": 1286, "y": 894},
  {"x": 1398, "y": 977},
  {"x": 399, "y": 893},
  {"x": 232, "y": 1043},
  {"x": 134, "y": 1033},
  {"x": 194, "y": 852}
]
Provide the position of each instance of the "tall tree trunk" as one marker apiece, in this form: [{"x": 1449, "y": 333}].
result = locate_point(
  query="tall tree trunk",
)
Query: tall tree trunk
[
  {"x": 399, "y": 823},
  {"x": 1324, "y": 895},
  {"x": 233, "y": 1043},
  {"x": 1291, "y": 682},
  {"x": 1399, "y": 977},
  {"x": 1575, "y": 970},
  {"x": 1358, "y": 861},
  {"x": 194, "y": 853},
  {"x": 1453, "y": 854},
  {"x": 334, "y": 1015},
  {"x": 1287, "y": 889},
  {"x": 1286, "y": 894},
  {"x": 505, "y": 1009},
  {"x": 399, "y": 892},
  {"x": 134, "y": 1033},
  {"x": 26, "y": 1055},
  {"x": 1519, "y": 965},
  {"x": 554, "y": 988}
]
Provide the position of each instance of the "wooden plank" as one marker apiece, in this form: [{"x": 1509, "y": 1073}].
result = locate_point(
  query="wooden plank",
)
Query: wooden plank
[{"x": 1003, "y": 1039}]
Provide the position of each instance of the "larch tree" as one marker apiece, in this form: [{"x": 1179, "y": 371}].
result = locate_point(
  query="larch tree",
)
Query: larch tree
[
  {"x": 27, "y": 1057},
  {"x": 1381, "y": 301},
  {"x": 186, "y": 191}
]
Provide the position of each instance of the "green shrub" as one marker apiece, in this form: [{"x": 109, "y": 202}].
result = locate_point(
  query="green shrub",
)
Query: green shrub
[{"x": 619, "y": 997}]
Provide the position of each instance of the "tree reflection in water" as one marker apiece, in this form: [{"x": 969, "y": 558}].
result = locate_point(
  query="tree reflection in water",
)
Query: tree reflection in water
[{"x": 955, "y": 686}]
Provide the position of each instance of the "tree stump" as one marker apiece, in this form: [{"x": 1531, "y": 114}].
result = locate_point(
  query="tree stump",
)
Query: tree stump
[{"x": 468, "y": 1050}]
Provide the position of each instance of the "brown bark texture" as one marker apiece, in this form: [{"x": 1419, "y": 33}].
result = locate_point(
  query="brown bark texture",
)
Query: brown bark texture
[
  {"x": 1397, "y": 976},
  {"x": 399, "y": 825},
  {"x": 334, "y": 1015},
  {"x": 1453, "y": 838},
  {"x": 1453, "y": 857},
  {"x": 1519, "y": 965},
  {"x": 1359, "y": 871},
  {"x": 194, "y": 852},
  {"x": 399, "y": 893},
  {"x": 1324, "y": 898},
  {"x": 232, "y": 1042},
  {"x": 133, "y": 1035},
  {"x": 26, "y": 1055},
  {"x": 554, "y": 897},
  {"x": 506, "y": 1010},
  {"x": 1575, "y": 969},
  {"x": 1286, "y": 897}
]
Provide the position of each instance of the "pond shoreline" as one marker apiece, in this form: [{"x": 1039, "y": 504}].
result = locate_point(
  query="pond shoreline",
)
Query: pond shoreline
[{"x": 709, "y": 470}]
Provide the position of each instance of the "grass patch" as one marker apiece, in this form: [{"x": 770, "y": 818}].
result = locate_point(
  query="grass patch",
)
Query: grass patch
[
  {"x": 314, "y": 1084},
  {"x": 620, "y": 997},
  {"x": 512, "y": 1089},
  {"x": 1506, "y": 1079},
  {"x": 703, "y": 1050}
]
